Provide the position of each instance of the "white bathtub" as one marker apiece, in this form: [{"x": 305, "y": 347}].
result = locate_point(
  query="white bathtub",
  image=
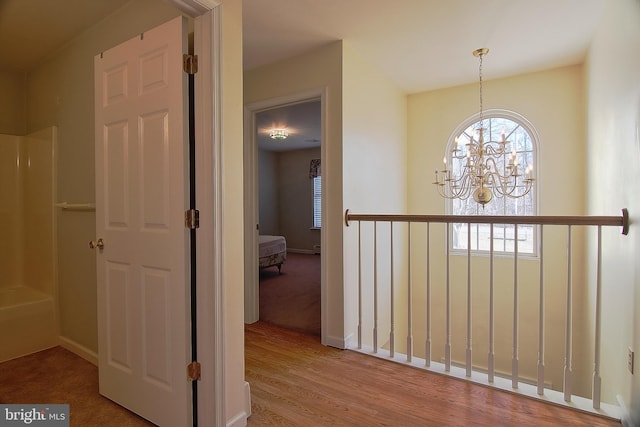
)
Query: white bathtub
[{"x": 27, "y": 322}]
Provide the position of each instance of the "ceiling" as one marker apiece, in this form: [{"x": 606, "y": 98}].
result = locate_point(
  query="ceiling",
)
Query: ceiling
[
  {"x": 426, "y": 44},
  {"x": 30, "y": 30},
  {"x": 302, "y": 121},
  {"x": 419, "y": 44}
]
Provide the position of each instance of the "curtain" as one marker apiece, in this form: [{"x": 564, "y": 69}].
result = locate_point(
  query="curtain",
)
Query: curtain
[{"x": 314, "y": 168}]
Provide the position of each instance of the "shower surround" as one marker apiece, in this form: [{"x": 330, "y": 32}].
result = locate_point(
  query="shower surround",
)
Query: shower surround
[{"x": 28, "y": 318}]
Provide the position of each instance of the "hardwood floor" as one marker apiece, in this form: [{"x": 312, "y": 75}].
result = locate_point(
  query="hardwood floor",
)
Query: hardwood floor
[{"x": 295, "y": 381}]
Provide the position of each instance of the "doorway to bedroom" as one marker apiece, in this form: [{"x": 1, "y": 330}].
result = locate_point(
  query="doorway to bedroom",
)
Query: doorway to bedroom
[{"x": 287, "y": 207}]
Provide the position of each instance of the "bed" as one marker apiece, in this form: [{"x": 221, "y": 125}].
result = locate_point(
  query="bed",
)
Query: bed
[{"x": 272, "y": 251}]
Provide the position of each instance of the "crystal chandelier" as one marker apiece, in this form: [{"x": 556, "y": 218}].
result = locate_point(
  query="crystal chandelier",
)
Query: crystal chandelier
[
  {"x": 279, "y": 134},
  {"x": 483, "y": 168}
]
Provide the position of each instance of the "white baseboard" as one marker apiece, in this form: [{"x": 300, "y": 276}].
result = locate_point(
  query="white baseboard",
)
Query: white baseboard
[
  {"x": 79, "y": 350},
  {"x": 625, "y": 416},
  {"x": 300, "y": 251},
  {"x": 337, "y": 342},
  {"x": 240, "y": 420},
  {"x": 247, "y": 398}
]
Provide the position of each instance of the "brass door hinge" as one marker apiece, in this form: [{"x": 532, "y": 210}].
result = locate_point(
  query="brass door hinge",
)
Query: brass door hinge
[
  {"x": 190, "y": 63},
  {"x": 193, "y": 371},
  {"x": 192, "y": 219}
]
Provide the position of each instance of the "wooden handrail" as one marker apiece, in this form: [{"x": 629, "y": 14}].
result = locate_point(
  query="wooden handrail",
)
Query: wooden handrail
[{"x": 619, "y": 221}]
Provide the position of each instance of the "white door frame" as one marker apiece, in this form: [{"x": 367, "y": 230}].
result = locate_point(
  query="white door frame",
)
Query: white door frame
[
  {"x": 251, "y": 195},
  {"x": 208, "y": 116}
]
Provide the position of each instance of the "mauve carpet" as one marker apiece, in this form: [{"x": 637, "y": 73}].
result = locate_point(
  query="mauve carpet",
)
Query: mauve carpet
[{"x": 292, "y": 299}]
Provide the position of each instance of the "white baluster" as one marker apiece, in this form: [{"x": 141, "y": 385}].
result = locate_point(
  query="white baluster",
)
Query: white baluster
[
  {"x": 491, "y": 361},
  {"x": 447, "y": 347},
  {"x": 514, "y": 360},
  {"x": 409, "y": 297},
  {"x": 596, "y": 357},
  {"x": 567, "y": 356},
  {"x": 359, "y": 288},
  {"x": 392, "y": 331},
  {"x": 468, "y": 359},
  {"x": 375, "y": 286},
  {"x": 541, "y": 319},
  {"x": 427, "y": 356}
]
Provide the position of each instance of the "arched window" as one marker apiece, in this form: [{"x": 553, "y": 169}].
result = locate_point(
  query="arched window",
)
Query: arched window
[{"x": 524, "y": 142}]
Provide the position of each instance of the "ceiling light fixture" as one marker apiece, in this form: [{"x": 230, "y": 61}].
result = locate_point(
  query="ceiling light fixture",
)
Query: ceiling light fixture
[
  {"x": 481, "y": 168},
  {"x": 278, "y": 134}
]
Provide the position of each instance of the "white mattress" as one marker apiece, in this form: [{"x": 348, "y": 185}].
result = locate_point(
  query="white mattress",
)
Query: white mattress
[{"x": 270, "y": 245}]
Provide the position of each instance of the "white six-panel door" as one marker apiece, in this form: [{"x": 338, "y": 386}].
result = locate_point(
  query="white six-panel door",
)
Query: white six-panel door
[{"x": 141, "y": 196}]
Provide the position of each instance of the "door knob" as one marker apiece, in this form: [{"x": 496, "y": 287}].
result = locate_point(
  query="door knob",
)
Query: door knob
[{"x": 96, "y": 244}]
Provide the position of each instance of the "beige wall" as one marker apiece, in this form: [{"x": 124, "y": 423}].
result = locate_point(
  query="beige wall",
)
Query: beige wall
[
  {"x": 268, "y": 192},
  {"x": 295, "y": 199},
  {"x": 318, "y": 69},
  {"x": 286, "y": 196},
  {"x": 613, "y": 149},
  {"x": 233, "y": 210},
  {"x": 374, "y": 132},
  {"x": 60, "y": 92},
  {"x": 13, "y": 103},
  {"x": 553, "y": 101},
  {"x": 374, "y": 170}
]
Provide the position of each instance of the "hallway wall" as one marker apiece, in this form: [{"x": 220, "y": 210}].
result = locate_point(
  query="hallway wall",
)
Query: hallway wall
[
  {"x": 613, "y": 154},
  {"x": 13, "y": 103}
]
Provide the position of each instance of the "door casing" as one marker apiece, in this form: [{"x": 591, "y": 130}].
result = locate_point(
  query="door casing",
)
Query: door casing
[
  {"x": 251, "y": 194},
  {"x": 208, "y": 110}
]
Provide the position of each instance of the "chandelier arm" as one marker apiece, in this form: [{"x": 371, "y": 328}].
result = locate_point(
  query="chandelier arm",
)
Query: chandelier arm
[
  {"x": 441, "y": 191},
  {"x": 465, "y": 187},
  {"x": 505, "y": 187},
  {"x": 528, "y": 186},
  {"x": 453, "y": 182},
  {"x": 492, "y": 151},
  {"x": 493, "y": 167},
  {"x": 490, "y": 180},
  {"x": 457, "y": 191},
  {"x": 511, "y": 191},
  {"x": 500, "y": 187}
]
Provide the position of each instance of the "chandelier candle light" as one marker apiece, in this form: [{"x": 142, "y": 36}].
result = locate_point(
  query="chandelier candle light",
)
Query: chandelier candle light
[{"x": 483, "y": 168}]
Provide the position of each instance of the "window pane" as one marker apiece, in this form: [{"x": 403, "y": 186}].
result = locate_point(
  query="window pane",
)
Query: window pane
[{"x": 317, "y": 202}]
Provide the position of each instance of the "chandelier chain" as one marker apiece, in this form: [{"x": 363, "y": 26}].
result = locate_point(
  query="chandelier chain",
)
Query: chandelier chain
[{"x": 481, "y": 99}]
